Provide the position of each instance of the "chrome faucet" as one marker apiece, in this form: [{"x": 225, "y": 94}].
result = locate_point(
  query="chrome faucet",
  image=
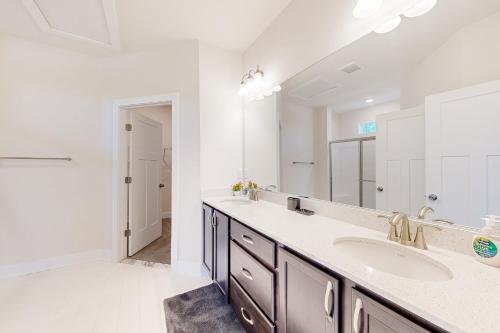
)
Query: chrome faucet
[
  {"x": 404, "y": 235},
  {"x": 423, "y": 211},
  {"x": 419, "y": 241}
]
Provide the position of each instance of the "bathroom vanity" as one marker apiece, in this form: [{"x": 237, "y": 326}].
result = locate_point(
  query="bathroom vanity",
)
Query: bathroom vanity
[{"x": 292, "y": 273}]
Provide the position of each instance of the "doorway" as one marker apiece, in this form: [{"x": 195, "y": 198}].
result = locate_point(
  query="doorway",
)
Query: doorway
[
  {"x": 145, "y": 179},
  {"x": 150, "y": 167}
]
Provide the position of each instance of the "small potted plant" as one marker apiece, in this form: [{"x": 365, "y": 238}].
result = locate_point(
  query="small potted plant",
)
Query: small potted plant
[{"x": 237, "y": 188}]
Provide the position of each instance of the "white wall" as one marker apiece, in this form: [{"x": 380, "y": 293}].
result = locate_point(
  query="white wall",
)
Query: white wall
[
  {"x": 297, "y": 144},
  {"x": 51, "y": 105},
  {"x": 309, "y": 30},
  {"x": 345, "y": 125},
  {"x": 56, "y": 102},
  {"x": 303, "y": 138},
  {"x": 262, "y": 141},
  {"x": 468, "y": 57},
  {"x": 221, "y": 118},
  {"x": 163, "y": 115}
]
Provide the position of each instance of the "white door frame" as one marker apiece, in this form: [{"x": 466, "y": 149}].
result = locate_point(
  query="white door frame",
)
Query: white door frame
[{"x": 120, "y": 159}]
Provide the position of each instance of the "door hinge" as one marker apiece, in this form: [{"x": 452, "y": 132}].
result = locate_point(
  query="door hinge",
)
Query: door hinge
[
  {"x": 128, "y": 232},
  {"x": 128, "y": 180},
  {"x": 128, "y": 127}
]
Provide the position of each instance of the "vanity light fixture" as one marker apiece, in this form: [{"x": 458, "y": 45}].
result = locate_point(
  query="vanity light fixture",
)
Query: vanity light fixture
[
  {"x": 252, "y": 82},
  {"x": 366, "y": 8},
  {"x": 389, "y": 25},
  {"x": 253, "y": 87},
  {"x": 420, "y": 7}
]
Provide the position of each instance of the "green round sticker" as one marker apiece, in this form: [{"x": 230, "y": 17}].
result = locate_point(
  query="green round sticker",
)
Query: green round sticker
[{"x": 484, "y": 247}]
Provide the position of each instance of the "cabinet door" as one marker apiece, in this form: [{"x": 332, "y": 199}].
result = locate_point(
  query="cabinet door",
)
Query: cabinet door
[
  {"x": 369, "y": 316},
  {"x": 309, "y": 298},
  {"x": 208, "y": 239},
  {"x": 221, "y": 255}
]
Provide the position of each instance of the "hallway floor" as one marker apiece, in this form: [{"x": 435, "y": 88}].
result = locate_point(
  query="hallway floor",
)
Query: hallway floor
[
  {"x": 91, "y": 298},
  {"x": 159, "y": 250}
]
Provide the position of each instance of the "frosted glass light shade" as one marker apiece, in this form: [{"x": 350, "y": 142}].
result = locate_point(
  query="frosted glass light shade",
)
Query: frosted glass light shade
[
  {"x": 366, "y": 8},
  {"x": 389, "y": 25},
  {"x": 420, "y": 8}
]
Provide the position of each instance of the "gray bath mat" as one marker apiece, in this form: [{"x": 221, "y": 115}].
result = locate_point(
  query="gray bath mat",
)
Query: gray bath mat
[{"x": 200, "y": 310}]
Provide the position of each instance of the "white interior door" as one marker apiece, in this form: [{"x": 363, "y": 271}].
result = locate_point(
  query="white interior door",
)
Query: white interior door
[
  {"x": 463, "y": 153},
  {"x": 401, "y": 161},
  {"x": 144, "y": 191}
]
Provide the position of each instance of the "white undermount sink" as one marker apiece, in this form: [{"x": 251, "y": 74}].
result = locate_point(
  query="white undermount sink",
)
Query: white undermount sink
[
  {"x": 393, "y": 259},
  {"x": 237, "y": 201}
]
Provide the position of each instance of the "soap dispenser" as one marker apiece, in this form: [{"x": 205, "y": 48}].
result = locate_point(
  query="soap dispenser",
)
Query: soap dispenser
[{"x": 486, "y": 245}]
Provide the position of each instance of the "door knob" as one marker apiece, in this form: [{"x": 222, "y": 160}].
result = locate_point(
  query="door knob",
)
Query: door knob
[
  {"x": 433, "y": 197},
  {"x": 161, "y": 185},
  {"x": 380, "y": 189}
]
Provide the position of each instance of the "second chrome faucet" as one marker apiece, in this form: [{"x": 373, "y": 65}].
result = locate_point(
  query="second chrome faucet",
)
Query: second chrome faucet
[{"x": 404, "y": 237}]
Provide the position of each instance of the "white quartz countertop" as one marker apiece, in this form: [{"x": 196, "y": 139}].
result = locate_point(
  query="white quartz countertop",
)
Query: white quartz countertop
[{"x": 470, "y": 302}]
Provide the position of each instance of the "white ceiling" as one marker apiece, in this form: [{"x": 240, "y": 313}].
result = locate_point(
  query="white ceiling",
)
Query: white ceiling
[
  {"x": 384, "y": 59},
  {"x": 143, "y": 24}
]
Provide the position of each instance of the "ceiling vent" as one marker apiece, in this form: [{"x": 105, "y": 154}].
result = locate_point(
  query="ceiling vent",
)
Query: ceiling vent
[
  {"x": 350, "y": 68},
  {"x": 313, "y": 88}
]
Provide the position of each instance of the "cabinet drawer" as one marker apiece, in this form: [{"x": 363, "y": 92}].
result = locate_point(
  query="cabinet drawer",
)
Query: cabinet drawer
[
  {"x": 252, "y": 319},
  {"x": 258, "y": 245},
  {"x": 254, "y": 277}
]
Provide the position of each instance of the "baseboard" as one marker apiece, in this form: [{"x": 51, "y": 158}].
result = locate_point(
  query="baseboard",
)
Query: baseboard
[
  {"x": 54, "y": 262},
  {"x": 166, "y": 215}
]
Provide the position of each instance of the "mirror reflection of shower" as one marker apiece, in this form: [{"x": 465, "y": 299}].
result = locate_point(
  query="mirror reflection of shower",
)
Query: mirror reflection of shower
[{"x": 352, "y": 172}]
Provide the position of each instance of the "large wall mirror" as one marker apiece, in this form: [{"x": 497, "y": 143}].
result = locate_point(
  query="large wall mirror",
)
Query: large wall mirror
[{"x": 394, "y": 121}]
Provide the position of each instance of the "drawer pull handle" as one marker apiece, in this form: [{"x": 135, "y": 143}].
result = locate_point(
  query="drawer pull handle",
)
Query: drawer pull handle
[
  {"x": 246, "y": 316},
  {"x": 246, "y": 273},
  {"x": 329, "y": 309},
  {"x": 247, "y": 239},
  {"x": 356, "y": 319}
]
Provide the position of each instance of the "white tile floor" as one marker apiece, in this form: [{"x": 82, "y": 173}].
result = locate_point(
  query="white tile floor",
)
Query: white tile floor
[{"x": 91, "y": 298}]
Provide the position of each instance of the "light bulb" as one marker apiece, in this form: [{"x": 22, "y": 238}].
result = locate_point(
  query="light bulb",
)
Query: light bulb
[
  {"x": 243, "y": 90},
  {"x": 258, "y": 80},
  {"x": 420, "y": 8},
  {"x": 389, "y": 25},
  {"x": 366, "y": 8},
  {"x": 277, "y": 88},
  {"x": 370, "y": 100}
]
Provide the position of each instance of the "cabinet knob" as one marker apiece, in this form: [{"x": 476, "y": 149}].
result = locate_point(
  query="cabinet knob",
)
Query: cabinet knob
[
  {"x": 380, "y": 189},
  {"x": 433, "y": 197},
  {"x": 161, "y": 185}
]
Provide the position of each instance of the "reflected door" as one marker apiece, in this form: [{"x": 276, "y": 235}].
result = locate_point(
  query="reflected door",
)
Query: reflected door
[
  {"x": 400, "y": 161},
  {"x": 463, "y": 153}
]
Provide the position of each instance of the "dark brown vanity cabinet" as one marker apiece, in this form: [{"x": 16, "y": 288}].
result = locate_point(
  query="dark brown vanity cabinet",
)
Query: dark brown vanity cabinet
[
  {"x": 221, "y": 252},
  {"x": 370, "y": 316},
  {"x": 308, "y": 297},
  {"x": 216, "y": 247},
  {"x": 272, "y": 288},
  {"x": 208, "y": 238}
]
